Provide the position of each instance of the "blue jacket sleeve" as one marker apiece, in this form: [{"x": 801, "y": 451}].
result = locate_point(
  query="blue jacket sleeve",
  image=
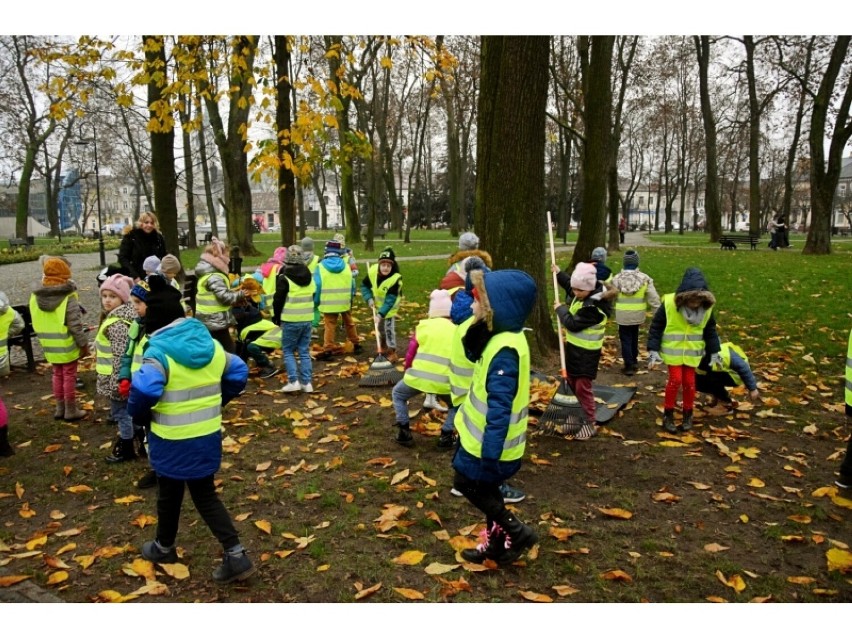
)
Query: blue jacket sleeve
[
  {"x": 461, "y": 309},
  {"x": 741, "y": 368},
  {"x": 146, "y": 387},
  {"x": 390, "y": 300},
  {"x": 501, "y": 385},
  {"x": 233, "y": 378}
]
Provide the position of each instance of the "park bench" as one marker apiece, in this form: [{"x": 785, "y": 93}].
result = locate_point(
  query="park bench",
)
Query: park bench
[
  {"x": 730, "y": 241},
  {"x": 21, "y": 243},
  {"x": 24, "y": 339}
]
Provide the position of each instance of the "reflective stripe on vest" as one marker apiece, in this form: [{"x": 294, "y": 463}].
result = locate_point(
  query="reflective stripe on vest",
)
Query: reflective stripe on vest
[
  {"x": 430, "y": 369},
  {"x": 380, "y": 291},
  {"x": 461, "y": 368},
  {"x": 191, "y": 403},
  {"x": 103, "y": 349},
  {"x": 6, "y": 320},
  {"x": 269, "y": 285},
  {"x": 138, "y": 350},
  {"x": 205, "y": 300},
  {"x": 683, "y": 343},
  {"x": 471, "y": 418},
  {"x": 55, "y": 338},
  {"x": 299, "y": 306},
  {"x": 271, "y": 337},
  {"x": 635, "y": 302},
  {"x": 590, "y": 338},
  {"x": 336, "y": 292}
]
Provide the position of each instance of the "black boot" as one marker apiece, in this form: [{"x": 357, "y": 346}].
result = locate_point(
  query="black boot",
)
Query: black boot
[
  {"x": 668, "y": 421},
  {"x": 404, "y": 436},
  {"x": 125, "y": 452},
  {"x": 5, "y": 449},
  {"x": 519, "y": 537},
  {"x": 139, "y": 443},
  {"x": 686, "y": 426},
  {"x": 492, "y": 544}
]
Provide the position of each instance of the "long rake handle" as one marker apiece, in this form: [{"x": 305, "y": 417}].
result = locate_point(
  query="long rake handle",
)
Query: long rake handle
[
  {"x": 556, "y": 297},
  {"x": 375, "y": 317}
]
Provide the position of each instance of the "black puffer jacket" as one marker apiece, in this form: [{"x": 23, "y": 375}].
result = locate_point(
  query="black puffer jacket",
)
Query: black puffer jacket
[{"x": 136, "y": 246}]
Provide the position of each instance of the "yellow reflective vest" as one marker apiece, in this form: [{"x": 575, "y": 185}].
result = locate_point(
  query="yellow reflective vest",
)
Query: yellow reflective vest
[
  {"x": 635, "y": 302},
  {"x": 205, "y": 301},
  {"x": 191, "y": 403},
  {"x": 336, "y": 291},
  {"x": 105, "y": 360},
  {"x": 6, "y": 320},
  {"x": 590, "y": 338},
  {"x": 683, "y": 343},
  {"x": 299, "y": 305},
  {"x": 725, "y": 355},
  {"x": 269, "y": 286},
  {"x": 313, "y": 263},
  {"x": 471, "y": 419},
  {"x": 849, "y": 372},
  {"x": 430, "y": 369},
  {"x": 380, "y": 291},
  {"x": 271, "y": 337},
  {"x": 56, "y": 340},
  {"x": 461, "y": 368}
]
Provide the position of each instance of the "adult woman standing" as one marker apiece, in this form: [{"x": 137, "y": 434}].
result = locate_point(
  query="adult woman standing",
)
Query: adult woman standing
[{"x": 140, "y": 242}]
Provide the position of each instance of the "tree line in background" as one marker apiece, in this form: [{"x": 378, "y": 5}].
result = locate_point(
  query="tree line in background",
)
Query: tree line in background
[{"x": 712, "y": 125}]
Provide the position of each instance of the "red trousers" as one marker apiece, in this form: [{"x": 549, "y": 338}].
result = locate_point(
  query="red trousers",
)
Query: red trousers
[
  {"x": 680, "y": 376},
  {"x": 65, "y": 381},
  {"x": 582, "y": 388}
]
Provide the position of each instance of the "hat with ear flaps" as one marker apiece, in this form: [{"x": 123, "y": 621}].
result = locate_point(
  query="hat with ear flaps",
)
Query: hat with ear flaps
[
  {"x": 506, "y": 298},
  {"x": 164, "y": 305}
]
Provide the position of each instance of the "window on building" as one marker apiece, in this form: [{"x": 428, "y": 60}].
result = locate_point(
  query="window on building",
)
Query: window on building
[
  {"x": 641, "y": 201},
  {"x": 325, "y": 199}
]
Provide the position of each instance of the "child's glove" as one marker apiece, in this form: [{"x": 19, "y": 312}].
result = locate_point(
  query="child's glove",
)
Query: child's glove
[
  {"x": 598, "y": 296},
  {"x": 654, "y": 359},
  {"x": 124, "y": 388},
  {"x": 716, "y": 362}
]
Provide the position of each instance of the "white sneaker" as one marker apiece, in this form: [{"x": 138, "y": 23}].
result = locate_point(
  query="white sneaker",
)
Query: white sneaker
[
  {"x": 307, "y": 388},
  {"x": 431, "y": 403},
  {"x": 456, "y": 493},
  {"x": 292, "y": 387}
]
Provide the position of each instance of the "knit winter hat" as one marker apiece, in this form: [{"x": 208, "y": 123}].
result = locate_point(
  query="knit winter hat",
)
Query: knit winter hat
[
  {"x": 140, "y": 290},
  {"x": 295, "y": 255},
  {"x": 164, "y": 306},
  {"x": 55, "y": 271},
  {"x": 631, "y": 260},
  {"x": 387, "y": 255},
  {"x": 307, "y": 244},
  {"x": 151, "y": 264},
  {"x": 120, "y": 285},
  {"x": 584, "y": 277},
  {"x": 440, "y": 303},
  {"x": 340, "y": 239},
  {"x": 333, "y": 248},
  {"x": 170, "y": 265},
  {"x": 215, "y": 254},
  {"x": 468, "y": 242},
  {"x": 599, "y": 254}
]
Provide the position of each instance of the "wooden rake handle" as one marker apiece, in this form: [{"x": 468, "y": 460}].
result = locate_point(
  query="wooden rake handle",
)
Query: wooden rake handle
[
  {"x": 375, "y": 317},
  {"x": 556, "y": 297}
]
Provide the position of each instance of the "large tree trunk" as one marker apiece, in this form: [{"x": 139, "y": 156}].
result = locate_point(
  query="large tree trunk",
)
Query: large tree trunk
[
  {"x": 162, "y": 142},
  {"x": 712, "y": 203},
  {"x": 510, "y": 165},
  {"x": 454, "y": 164},
  {"x": 824, "y": 177},
  {"x": 597, "y": 89},
  {"x": 286, "y": 179}
]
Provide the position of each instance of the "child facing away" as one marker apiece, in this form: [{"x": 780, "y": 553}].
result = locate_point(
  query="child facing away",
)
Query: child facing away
[
  {"x": 335, "y": 288},
  {"x": 269, "y": 274},
  {"x": 215, "y": 297},
  {"x": 58, "y": 320},
  {"x": 381, "y": 288},
  {"x": 733, "y": 371},
  {"x": 636, "y": 292},
  {"x": 110, "y": 346},
  {"x": 184, "y": 381},
  {"x": 492, "y": 420},
  {"x": 293, "y": 310},
  {"x": 348, "y": 255},
  {"x": 682, "y": 331},
  {"x": 427, "y": 363},
  {"x": 11, "y": 323},
  {"x": 584, "y": 317},
  {"x": 598, "y": 259}
]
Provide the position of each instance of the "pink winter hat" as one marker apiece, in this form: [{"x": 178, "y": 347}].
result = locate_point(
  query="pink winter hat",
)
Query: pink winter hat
[
  {"x": 584, "y": 277},
  {"x": 440, "y": 303},
  {"x": 120, "y": 285}
]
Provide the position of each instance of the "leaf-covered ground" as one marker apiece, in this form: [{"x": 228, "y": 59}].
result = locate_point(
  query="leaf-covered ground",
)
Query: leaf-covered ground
[{"x": 332, "y": 510}]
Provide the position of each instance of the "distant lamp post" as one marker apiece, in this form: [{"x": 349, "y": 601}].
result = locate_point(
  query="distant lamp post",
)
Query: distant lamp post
[{"x": 94, "y": 141}]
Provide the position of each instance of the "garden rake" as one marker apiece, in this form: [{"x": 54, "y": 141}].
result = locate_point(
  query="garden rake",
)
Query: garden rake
[
  {"x": 563, "y": 415},
  {"x": 381, "y": 371}
]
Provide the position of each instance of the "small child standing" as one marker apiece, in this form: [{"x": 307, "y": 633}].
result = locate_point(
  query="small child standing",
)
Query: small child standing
[
  {"x": 110, "y": 346},
  {"x": 427, "y": 363},
  {"x": 58, "y": 320},
  {"x": 269, "y": 274},
  {"x": 293, "y": 310},
  {"x": 584, "y": 316},
  {"x": 682, "y": 330},
  {"x": 636, "y": 292},
  {"x": 215, "y": 297},
  {"x": 598, "y": 259},
  {"x": 335, "y": 288},
  {"x": 382, "y": 290},
  {"x": 11, "y": 323}
]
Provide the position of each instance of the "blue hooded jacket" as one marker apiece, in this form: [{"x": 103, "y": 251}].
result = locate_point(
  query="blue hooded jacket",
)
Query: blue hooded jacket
[
  {"x": 334, "y": 264},
  {"x": 188, "y": 342}
]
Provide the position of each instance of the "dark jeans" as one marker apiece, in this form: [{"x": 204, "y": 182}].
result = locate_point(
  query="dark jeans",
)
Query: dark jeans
[
  {"x": 485, "y": 496},
  {"x": 258, "y": 354},
  {"x": 207, "y": 503},
  {"x": 846, "y": 465},
  {"x": 629, "y": 336},
  {"x": 714, "y": 384}
]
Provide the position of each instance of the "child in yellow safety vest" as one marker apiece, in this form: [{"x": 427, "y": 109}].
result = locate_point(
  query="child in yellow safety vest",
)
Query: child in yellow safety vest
[
  {"x": 381, "y": 288},
  {"x": 335, "y": 288},
  {"x": 110, "y": 346},
  {"x": 733, "y": 371},
  {"x": 257, "y": 337},
  {"x": 58, "y": 320},
  {"x": 215, "y": 297},
  {"x": 292, "y": 310},
  {"x": 636, "y": 293},
  {"x": 844, "y": 480},
  {"x": 682, "y": 331},
  {"x": 492, "y": 419},
  {"x": 584, "y": 315},
  {"x": 11, "y": 323},
  {"x": 427, "y": 363}
]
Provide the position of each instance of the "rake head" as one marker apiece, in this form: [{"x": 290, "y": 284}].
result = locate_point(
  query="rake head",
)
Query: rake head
[
  {"x": 565, "y": 417},
  {"x": 380, "y": 373}
]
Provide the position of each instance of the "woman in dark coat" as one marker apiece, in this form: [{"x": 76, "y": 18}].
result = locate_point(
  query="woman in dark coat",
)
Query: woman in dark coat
[{"x": 142, "y": 241}]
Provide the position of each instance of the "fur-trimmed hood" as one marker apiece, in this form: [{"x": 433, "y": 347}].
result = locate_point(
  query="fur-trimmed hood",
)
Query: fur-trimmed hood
[
  {"x": 458, "y": 256},
  {"x": 506, "y": 298},
  {"x": 693, "y": 286}
]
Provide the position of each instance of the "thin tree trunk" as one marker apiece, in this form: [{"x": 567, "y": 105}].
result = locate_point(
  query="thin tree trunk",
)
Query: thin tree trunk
[{"x": 712, "y": 203}]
